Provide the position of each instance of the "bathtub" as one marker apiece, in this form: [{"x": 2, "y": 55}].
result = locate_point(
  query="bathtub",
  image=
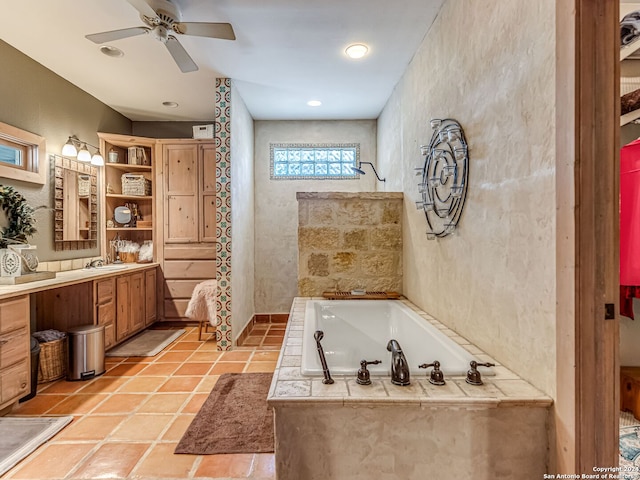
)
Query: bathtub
[{"x": 360, "y": 329}]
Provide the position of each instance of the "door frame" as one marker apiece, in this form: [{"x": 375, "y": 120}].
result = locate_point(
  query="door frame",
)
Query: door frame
[{"x": 587, "y": 230}]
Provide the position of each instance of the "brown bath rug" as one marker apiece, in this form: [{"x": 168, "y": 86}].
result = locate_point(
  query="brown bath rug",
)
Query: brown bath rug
[{"x": 234, "y": 418}]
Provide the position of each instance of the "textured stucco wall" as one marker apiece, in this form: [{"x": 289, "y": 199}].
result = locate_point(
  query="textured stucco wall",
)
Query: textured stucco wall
[
  {"x": 35, "y": 99},
  {"x": 276, "y": 211},
  {"x": 493, "y": 281},
  {"x": 242, "y": 215}
]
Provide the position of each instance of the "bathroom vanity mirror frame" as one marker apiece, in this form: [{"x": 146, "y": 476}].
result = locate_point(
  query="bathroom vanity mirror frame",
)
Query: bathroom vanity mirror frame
[{"x": 64, "y": 169}]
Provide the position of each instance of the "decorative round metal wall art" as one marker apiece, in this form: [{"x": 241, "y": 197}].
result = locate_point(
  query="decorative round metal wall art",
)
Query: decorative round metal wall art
[{"x": 445, "y": 171}]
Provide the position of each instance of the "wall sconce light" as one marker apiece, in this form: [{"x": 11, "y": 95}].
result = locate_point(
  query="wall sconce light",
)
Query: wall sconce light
[
  {"x": 75, "y": 148},
  {"x": 359, "y": 170}
]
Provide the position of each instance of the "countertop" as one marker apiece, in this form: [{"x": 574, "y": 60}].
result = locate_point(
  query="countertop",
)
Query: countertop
[{"x": 71, "y": 277}]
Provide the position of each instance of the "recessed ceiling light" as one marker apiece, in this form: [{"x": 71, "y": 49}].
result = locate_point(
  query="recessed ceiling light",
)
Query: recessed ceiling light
[
  {"x": 110, "y": 51},
  {"x": 170, "y": 104},
  {"x": 357, "y": 50},
  {"x": 314, "y": 103}
]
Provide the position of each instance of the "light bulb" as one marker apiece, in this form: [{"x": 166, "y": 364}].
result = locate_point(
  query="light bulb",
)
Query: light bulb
[
  {"x": 97, "y": 160},
  {"x": 83, "y": 154},
  {"x": 69, "y": 149},
  {"x": 357, "y": 50}
]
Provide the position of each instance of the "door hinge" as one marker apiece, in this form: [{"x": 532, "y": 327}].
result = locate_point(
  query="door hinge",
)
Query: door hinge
[{"x": 609, "y": 311}]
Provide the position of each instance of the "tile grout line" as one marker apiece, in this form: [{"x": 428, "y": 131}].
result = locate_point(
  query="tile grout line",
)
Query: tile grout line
[{"x": 173, "y": 417}]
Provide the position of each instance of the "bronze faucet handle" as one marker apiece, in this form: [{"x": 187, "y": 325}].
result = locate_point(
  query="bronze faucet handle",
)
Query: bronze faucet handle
[
  {"x": 487, "y": 364},
  {"x": 364, "y": 363},
  {"x": 473, "y": 375},
  {"x": 436, "y": 377},
  {"x": 363, "y": 374}
]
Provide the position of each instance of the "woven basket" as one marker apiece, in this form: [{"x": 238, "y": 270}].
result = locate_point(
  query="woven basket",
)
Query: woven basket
[
  {"x": 53, "y": 360},
  {"x": 133, "y": 184}
]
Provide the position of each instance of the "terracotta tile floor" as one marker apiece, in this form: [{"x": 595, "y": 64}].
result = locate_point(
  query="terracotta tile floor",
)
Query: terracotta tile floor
[{"x": 128, "y": 421}]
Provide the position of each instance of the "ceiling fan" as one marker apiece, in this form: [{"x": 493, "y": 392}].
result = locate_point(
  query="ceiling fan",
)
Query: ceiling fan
[{"x": 163, "y": 19}]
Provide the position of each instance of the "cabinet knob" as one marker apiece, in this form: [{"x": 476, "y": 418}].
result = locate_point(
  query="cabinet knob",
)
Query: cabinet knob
[{"x": 23, "y": 385}]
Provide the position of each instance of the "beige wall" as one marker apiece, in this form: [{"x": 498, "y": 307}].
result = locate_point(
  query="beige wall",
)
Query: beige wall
[
  {"x": 35, "y": 99},
  {"x": 493, "y": 281},
  {"x": 276, "y": 209},
  {"x": 242, "y": 215}
]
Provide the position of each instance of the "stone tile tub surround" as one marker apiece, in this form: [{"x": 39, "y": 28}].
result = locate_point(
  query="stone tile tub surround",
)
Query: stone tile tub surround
[
  {"x": 348, "y": 431},
  {"x": 349, "y": 240}
]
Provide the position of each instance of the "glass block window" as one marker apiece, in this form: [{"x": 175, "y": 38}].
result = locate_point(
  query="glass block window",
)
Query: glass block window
[{"x": 314, "y": 161}]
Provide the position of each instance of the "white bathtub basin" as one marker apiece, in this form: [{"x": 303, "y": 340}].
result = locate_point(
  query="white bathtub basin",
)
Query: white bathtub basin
[{"x": 356, "y": 330}]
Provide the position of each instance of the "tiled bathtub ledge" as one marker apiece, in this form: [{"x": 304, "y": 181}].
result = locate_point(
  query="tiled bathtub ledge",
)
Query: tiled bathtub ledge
[
  {"x": 290, "y": 387},
  {"x": 346, "y": 431}
]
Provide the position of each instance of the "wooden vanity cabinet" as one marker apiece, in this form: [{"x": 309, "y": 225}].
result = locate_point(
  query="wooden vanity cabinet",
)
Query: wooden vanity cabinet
[
  {"x": 14, "y": 350},
  {"x": 125, "y": 304},
  {"x": 188, "y": 251}
]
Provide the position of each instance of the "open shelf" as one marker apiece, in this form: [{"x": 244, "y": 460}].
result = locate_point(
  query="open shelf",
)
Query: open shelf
[{"x": 112, "y": 182}]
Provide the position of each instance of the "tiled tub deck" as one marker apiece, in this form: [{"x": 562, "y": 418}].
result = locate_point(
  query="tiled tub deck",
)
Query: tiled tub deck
[{"x": 348, "y": 431}]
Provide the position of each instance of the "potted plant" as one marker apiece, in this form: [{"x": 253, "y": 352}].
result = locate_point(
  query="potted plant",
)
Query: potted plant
[{"x": 21, "y": 226}]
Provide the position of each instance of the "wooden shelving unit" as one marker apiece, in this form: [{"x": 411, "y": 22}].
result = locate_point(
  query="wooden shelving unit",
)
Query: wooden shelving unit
[{"x": 111, "y": 195}]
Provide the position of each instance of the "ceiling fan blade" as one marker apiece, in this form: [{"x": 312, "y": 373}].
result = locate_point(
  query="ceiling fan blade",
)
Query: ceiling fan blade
[
  {"x": 143, "y": 7},
  {"x": 106, "y": 37},
  {"x": 203, "y": 29},
  {"x": 180, "y": 55}
]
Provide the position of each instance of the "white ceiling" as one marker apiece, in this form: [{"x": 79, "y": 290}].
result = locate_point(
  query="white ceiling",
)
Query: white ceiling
[{"x": 286, "y": 53}]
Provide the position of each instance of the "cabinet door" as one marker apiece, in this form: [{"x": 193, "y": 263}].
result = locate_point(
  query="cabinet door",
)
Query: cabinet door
[
  {"x": 137, "y": 300},
  {"x": 181, "y": 193},
  {"x": 105, "y": 292},
  {"x": 150, "y": 296},
  {"x": 180, "y": 225},
  {"x": 123, "y": 306},
  {"x": 106, "y": 316}
]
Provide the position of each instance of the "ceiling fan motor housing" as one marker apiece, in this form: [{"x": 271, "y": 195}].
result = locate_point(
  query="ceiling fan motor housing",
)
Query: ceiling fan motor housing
[{"x": 167, "y": 12}]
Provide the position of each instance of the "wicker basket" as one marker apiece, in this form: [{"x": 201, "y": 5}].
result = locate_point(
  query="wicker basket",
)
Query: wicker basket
[
  {"x": 133, "y": 184},
  {"x": 53, "y": 360},
  {"x": 128, "y": 257}
]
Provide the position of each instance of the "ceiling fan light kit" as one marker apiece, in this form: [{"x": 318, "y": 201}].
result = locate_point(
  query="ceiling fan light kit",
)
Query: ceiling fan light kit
[{"x": 162, "y": 19}]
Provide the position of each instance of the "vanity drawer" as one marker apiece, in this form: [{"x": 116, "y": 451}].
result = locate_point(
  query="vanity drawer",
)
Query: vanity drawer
[
  {"x": 14, "y": 347},
  {"x": 107, "y": 313},
  {"x": 14, "y": 313},
  {"x": 14, "y": 381},
  {"x": 105, "y": 290}
]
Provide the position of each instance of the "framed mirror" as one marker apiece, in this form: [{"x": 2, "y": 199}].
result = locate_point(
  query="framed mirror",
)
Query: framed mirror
[{"x": 75, "y": 204}]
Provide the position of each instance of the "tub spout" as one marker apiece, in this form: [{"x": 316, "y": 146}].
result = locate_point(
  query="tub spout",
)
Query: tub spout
[
  {"x": 399, "y": 366},
  {"x": 318, "y": 335}
]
